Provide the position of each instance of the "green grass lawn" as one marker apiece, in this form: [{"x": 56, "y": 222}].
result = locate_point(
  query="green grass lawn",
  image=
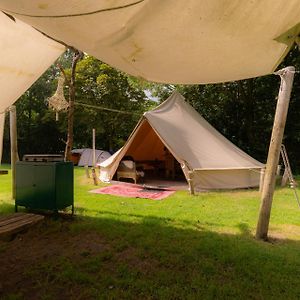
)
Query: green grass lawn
[{"x": 182, "y": 247}]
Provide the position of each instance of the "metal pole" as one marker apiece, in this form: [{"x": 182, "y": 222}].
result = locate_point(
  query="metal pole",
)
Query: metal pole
[
  {"x": 287, "y": 77},
  {"x": 13, "y": 146}
]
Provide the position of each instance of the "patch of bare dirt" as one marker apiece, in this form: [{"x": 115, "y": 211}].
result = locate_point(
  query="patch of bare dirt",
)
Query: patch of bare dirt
[
  {"x": 41, "y": 243},
  {"x": 49, "y": 242}
]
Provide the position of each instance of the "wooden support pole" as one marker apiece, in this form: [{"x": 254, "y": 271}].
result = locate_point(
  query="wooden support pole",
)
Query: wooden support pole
[
  {"x": 261, "y": 180},
  {"x": 191, "y": 182},
  {"x": 13, "y": 146},
  {"x": 94, "y": 147},
  {"x": 287, "y": 77},
  {"x": 94, "y": 175},
  {"x": 2, "y": 120}
]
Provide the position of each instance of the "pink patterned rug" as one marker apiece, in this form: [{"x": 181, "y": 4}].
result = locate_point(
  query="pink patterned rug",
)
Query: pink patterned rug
[{"x": 134, "y": 191}]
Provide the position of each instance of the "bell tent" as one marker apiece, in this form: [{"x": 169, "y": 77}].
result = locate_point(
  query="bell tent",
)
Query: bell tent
[
  {"x": 86, "y": 156},
  {"x": 175, "y": 128}
]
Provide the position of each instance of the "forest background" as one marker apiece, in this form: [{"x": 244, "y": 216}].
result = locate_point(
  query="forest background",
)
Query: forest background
[{"x": 243, "y": 111}]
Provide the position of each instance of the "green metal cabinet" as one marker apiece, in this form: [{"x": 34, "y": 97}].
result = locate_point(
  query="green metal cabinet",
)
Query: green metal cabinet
[{"x": 44, "y": 185}]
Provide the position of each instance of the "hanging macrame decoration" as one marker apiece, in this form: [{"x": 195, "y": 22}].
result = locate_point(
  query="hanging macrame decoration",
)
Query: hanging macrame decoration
[{"x": 58, "y": 102}]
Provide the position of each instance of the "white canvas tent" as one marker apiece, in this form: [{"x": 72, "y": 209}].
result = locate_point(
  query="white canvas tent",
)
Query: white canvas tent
[
  {"x": 86, "y": 156},
  {"x": 215, "y": 162}
]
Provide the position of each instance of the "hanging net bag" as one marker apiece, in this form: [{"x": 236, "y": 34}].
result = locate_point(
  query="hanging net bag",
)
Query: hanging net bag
[{"x": 58, "y": 102}]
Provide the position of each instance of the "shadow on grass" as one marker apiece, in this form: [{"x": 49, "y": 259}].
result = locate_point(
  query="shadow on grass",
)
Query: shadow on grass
[
  {"x": 107, "y": 258},
  {"x": 7, "y": 208}
]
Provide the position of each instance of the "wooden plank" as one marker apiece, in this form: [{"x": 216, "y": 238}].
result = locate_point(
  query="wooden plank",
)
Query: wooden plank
[
  {"x": 17, "y": 227},
  {"x": 21, "y": 219},
  {"x": 11, "y": 218},
  {"x": 3, "y": 172},
  {"x": 13, "y": 224},
  {"x": 14, "y": 219},
  {"x": 20, "y": 225}
]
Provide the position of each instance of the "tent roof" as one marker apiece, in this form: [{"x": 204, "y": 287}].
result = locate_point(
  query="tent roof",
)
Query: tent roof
[
  {"x": 195, "y": 41},
  {"x": 190, "y": 138}
]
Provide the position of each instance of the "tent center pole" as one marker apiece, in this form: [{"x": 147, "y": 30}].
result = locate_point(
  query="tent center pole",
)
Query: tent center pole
[{"x": 287, "y": 77}]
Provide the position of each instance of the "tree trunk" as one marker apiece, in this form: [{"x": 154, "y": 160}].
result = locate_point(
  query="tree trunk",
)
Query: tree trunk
[{"x": 70, "y": 137}]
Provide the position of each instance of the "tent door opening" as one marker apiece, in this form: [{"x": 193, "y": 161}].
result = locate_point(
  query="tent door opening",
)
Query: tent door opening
[{"x": 151, "y": 158}]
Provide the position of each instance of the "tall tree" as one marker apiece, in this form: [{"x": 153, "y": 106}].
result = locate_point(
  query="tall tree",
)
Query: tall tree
[
  {"x": 37, "y": 130},
  {"x": 102, "y": 86},
  {"x": 77, "y": 55}
]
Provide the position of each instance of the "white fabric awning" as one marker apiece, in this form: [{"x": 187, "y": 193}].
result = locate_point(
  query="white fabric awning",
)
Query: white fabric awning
[
  {"x": 25, "y": 55},
  {"x": 195, "y": 41}
]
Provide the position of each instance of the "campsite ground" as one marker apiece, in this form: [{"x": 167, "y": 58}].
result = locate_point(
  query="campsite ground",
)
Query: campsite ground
[{"x": 182, "y": 247}]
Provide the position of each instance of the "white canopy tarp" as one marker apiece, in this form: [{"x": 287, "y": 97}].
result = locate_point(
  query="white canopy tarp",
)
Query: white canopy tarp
[
  {"x": 192, "y": 41},
  {"x": 25, "y": 55},
  {"x": 195, "y": 144}
]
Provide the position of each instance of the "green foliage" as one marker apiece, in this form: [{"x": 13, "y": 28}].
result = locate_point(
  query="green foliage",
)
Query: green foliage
[
  {"x": 37, "y": 130},
  {"x": 103, "y": 86},
  {"x": 97, "y": 84},
  {"x": 243, "y": 111}
]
